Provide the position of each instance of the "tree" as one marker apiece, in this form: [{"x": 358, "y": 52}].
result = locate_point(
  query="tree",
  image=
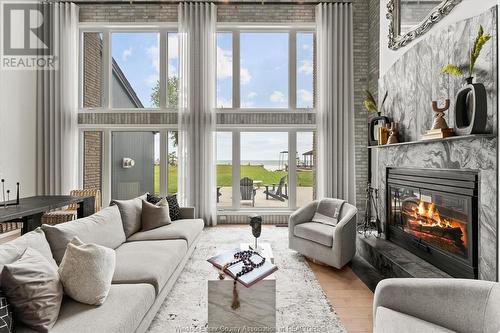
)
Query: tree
[{"x": 172, "y": 97}]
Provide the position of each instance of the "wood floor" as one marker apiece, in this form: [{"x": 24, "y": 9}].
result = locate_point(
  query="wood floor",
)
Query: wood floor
[{"x": 349, "y": 296}]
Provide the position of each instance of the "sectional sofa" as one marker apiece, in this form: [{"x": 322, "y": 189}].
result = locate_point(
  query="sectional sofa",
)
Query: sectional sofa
[{"x": 147, "y": 266}]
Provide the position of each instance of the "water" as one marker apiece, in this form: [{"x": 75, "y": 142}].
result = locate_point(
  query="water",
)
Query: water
[{"x": 270, "y": 165}]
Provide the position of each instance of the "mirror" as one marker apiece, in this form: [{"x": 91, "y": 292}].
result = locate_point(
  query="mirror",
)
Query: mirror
[{"x": 409, "y": 19}]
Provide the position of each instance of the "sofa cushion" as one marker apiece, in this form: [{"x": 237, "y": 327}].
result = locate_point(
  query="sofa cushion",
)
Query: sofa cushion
[
  {"x": 315, "y": 232},
  {"x": 123, "y": 311},
  {"x": 130, "y": 211},
  {"x": 150, "y": 262},
  {"x": 390, "y": 321},
  {"x": 13, "y": 250},
  {"x": 154, "y": 216},
  {"x": 103, "y": 228},
  {"x": 187, "y": 229}
]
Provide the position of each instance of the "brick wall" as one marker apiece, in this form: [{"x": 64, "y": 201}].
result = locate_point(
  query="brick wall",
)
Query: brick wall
[
  {"x": 92, "y": 159},
  {"x": 92, "y": 70},
  {"x": 365, "y": 45}
]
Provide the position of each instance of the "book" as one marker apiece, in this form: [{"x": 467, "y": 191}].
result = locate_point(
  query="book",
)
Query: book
[
  {"x": 249, "y": 278},
  {"x": 440, "y": 130}
]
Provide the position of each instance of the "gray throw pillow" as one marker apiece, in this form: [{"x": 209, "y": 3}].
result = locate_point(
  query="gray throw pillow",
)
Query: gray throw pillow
[
  {"x": 130, "y": 211},
  {"x": 154, "y": 216},
  {"x": 328, "y": 211},
  {"x": 86, "y": 272},
  {"x": 33, "y": 290}
]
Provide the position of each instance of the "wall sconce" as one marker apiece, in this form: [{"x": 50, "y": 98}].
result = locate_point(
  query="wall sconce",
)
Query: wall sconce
[{"x": 127, "y": 162}]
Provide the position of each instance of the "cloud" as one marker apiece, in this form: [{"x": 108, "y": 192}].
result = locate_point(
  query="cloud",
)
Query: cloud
[
  {"x": 173, "y": 46},
  {"x": 306, "y": 46},
  {"x": 277, "y": 97},
  {"x": 306, "y": 67},
  {"x": 224, "y": 63},
  {"x": 224, "y": 103},
  {"x": 126, "y": 53},
  {"x": 252, "y": 94},
  {"x": 245, "y": 75},
  {"x": 305, "y": 96},
  {"x": 152, "y": 79},
  {"x": 247, "y": 104},
  {"x": 153, "y": 54}
]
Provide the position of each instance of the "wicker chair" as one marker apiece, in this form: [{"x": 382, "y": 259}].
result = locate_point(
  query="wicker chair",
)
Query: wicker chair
[{"x": 69, "y": 213}]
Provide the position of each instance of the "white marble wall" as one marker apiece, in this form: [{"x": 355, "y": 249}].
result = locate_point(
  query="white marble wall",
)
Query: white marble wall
[{"x": 413, "y": 82}]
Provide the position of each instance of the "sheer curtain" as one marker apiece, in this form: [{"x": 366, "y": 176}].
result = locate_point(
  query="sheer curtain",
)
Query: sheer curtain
[
  {"x": 196, "y": 150},
  {"x": 336, "y": 171},
  {"x": 57, "y": 103}
]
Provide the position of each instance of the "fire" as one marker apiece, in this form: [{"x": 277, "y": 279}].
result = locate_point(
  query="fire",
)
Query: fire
[{"x": 430, "y": 216}]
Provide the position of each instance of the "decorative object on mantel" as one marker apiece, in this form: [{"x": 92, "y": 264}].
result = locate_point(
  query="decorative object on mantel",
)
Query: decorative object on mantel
[
  {"x": 470, "y": 101},
  {"x": 378, "y": 120},
  {"x": 383, "y": 135},
  {"x": 6, "y": 202},
  {"x": 393, "y": 132},
  {"x": 370, "y": 222},
  {"x": 256, "y": 224},
  {"x": 440, "y": 128}
]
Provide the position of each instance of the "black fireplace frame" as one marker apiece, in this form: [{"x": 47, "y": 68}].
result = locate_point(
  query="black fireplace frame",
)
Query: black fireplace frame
[{"x": 464, "y": 183}]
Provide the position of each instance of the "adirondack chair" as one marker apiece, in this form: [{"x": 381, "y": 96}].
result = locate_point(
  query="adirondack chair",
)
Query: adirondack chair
[
  {"x": 277, "y": 192},
  {"x": 218, "y": 193},
  {"x": 247, "y": 190}
]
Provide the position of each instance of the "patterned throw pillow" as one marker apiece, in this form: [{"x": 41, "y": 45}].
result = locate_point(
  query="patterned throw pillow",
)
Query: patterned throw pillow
[
  {"x": 6, "y": 323},
  {"x": 173, "y": 204}
]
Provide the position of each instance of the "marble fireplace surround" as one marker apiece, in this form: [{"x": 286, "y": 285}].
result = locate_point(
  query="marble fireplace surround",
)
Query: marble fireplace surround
[{"x": 413, "y": 82}]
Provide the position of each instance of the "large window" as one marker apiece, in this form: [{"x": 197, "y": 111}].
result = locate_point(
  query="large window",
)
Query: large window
[
  {"x": 127, "y": 69},
  {"x": 265, "y": 69}
]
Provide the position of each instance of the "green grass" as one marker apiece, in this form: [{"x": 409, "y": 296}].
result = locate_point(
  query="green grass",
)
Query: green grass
[{"x": 224, "y": 176}]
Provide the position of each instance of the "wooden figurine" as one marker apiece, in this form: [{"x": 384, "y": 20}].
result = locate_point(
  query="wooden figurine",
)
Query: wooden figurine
[
  {"x": 440, "y": 128},
  {"x": 393, "y": 133}
]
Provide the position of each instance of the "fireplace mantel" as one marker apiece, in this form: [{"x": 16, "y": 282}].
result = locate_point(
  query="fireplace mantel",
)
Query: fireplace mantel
[{"x": 452, "y": 138}]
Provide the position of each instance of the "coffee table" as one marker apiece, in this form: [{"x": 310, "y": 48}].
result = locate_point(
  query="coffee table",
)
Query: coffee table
[{"x": 257, "y": 311}]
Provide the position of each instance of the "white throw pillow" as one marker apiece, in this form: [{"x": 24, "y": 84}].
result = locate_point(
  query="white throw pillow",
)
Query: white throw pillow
[{"x": 86, "y": 271}]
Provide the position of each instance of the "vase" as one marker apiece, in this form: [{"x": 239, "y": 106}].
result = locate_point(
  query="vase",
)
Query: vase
[
  {"x": 377, "y": 121},
  {"x": 471, "y": 113}
]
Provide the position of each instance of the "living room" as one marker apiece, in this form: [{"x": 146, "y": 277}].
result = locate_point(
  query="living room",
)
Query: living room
[{"x": 260, "y": 166}]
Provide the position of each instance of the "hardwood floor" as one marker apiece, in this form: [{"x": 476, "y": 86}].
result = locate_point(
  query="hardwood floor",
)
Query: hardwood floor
[{"x": 349, "y": 296}]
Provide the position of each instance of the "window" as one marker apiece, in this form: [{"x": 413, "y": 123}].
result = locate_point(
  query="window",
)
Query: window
[
  {"x": 172, "y": 159},
  {"x": 272, "y": 69},
  {"x": 306, "y": 166},
  {"x": 124, "y": 69}
]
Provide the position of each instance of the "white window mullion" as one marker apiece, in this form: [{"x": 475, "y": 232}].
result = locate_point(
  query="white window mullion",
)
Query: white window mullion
[
  {"x": 163, "y": 68},
  {"x": 164, "y": 162},
  {"x": 236, "y": 70},
  {"x": 292, "y": 72},
  {"x": 236, "y": 169},
  {"x": 292, "y": 170},
  {"x": 106, "y": 167},
  {"x": 107, "y": 68}
]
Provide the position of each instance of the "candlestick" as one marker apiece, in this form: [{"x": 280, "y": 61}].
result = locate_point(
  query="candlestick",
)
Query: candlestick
[
  {"x": 17, "y": 197},
  {"x": 8, "y": 195},
  {"x": 3, "y": 193}
]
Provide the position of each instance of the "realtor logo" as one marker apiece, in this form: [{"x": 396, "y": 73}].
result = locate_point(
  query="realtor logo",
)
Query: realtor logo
[{"x": 26, "y": 43}]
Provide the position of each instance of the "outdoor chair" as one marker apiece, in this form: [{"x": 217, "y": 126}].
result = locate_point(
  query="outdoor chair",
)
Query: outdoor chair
[
  {"x": 247, "y": 190},
  {"x": 218, "y": 193},
  {"x": 277, "y": 192},
  {"x": 69, "y": 213}
]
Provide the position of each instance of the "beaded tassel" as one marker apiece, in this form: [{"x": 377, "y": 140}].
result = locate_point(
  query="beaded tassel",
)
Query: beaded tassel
[{"x": 236, "y": 300}]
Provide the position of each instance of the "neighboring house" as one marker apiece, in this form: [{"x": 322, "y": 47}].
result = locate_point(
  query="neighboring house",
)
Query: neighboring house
[{"x": 124, "y": 95}]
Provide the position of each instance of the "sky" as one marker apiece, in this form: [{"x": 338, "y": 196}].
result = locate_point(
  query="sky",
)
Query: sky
[{"x": 263, "y": 80}]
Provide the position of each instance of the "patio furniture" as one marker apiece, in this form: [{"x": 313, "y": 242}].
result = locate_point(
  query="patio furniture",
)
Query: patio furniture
[
  {"x": 247, "y": 190},
  {"x": 218, "y": 193},
  {"x": 334, "y": 245},
  {"x": 69, "y": 213},
  {"x": 277, "y": 192}
]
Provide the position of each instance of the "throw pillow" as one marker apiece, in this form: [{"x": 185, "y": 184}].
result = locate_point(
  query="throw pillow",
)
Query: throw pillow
[
  {"x": 6, "y": 322},
  {"x": 328, "y": 211},
  {"x": 173, "y": 204},
  {"x": 86, "y": 271},
  {"x": 154, "y": 216},
  {"x": 34, "y": 290},
  {"x": 130, "y": 211}
]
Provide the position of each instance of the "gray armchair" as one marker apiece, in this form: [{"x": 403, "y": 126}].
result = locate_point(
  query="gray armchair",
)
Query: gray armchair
[
  {"x": 332, "y": 245},
  {"x": 436, "y": 305}
]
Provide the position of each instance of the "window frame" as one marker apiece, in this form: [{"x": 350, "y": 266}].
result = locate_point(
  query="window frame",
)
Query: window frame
[
  {"x": 107, "y": 30},
  {"x": 292, "y": 30}
]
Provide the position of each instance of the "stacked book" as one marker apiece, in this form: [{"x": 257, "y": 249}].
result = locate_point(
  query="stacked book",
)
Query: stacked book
[
  {"x": 438, "y": 133},
  {"x": 249, "y": 278}
]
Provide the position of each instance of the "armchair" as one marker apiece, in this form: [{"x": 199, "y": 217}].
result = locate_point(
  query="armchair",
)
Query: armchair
[
  {"x": 436, "y": 305},
  {"x": 332, "y": 245}
]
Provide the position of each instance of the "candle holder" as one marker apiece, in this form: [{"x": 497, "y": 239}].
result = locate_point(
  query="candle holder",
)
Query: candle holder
[
  {"x": 256, "y": 224},
  {"x": 6, "y": 201}
]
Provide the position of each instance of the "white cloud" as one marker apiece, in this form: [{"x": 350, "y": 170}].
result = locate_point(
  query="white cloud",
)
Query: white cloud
[
  {"x": 153, "y": 54},
  {"x": 247, "y": 104},
  {"x": 305, "y": 95},
  {"x": 306, "y": 67},
  {"x": 152, "y": 79},
  {"x": 224, "y": 63},
  {"x": 252, "y": 94},
  {"x": 245, "y": 75},
  {"x": 277, "y": 97},
  {"x": 306, "y": 46},
  {"x": 224, "y": 103},
  {"x": 173, "y": 46},
  {"x": 126, "y": 53}
]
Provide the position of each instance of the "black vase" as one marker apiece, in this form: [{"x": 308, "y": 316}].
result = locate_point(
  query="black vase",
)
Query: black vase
[
  {"x": 471, "y": 113},
  {"x": 378, "y": 120}
]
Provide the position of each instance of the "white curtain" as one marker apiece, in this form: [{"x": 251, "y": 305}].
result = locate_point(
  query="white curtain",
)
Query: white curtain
[
  {"x": 57, "y": 103},
  {"x": 336, "y": 170},
  {"x": 196, "y": 150}
]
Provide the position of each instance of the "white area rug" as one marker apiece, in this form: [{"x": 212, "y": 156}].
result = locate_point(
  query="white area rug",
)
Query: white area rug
[{"x": 301, "y": 304}]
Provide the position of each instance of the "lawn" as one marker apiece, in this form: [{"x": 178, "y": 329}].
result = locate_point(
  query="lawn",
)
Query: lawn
[{"x": 224, "y": 176}]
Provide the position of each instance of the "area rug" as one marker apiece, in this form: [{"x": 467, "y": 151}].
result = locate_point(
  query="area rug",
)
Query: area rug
[{"x": 301, "y": 304}]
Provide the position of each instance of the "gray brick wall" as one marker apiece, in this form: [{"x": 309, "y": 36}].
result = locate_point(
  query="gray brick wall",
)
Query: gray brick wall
[
  {"x": 365, "y": 52},
  {"x": 92, "y": 160}
]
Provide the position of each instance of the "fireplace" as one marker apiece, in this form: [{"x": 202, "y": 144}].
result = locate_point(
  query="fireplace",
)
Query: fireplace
[{"x": 433, "y": 213}]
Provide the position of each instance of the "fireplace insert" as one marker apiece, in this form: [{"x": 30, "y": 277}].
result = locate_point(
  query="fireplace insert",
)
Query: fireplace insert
[{"x": 433, "y": 213}]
